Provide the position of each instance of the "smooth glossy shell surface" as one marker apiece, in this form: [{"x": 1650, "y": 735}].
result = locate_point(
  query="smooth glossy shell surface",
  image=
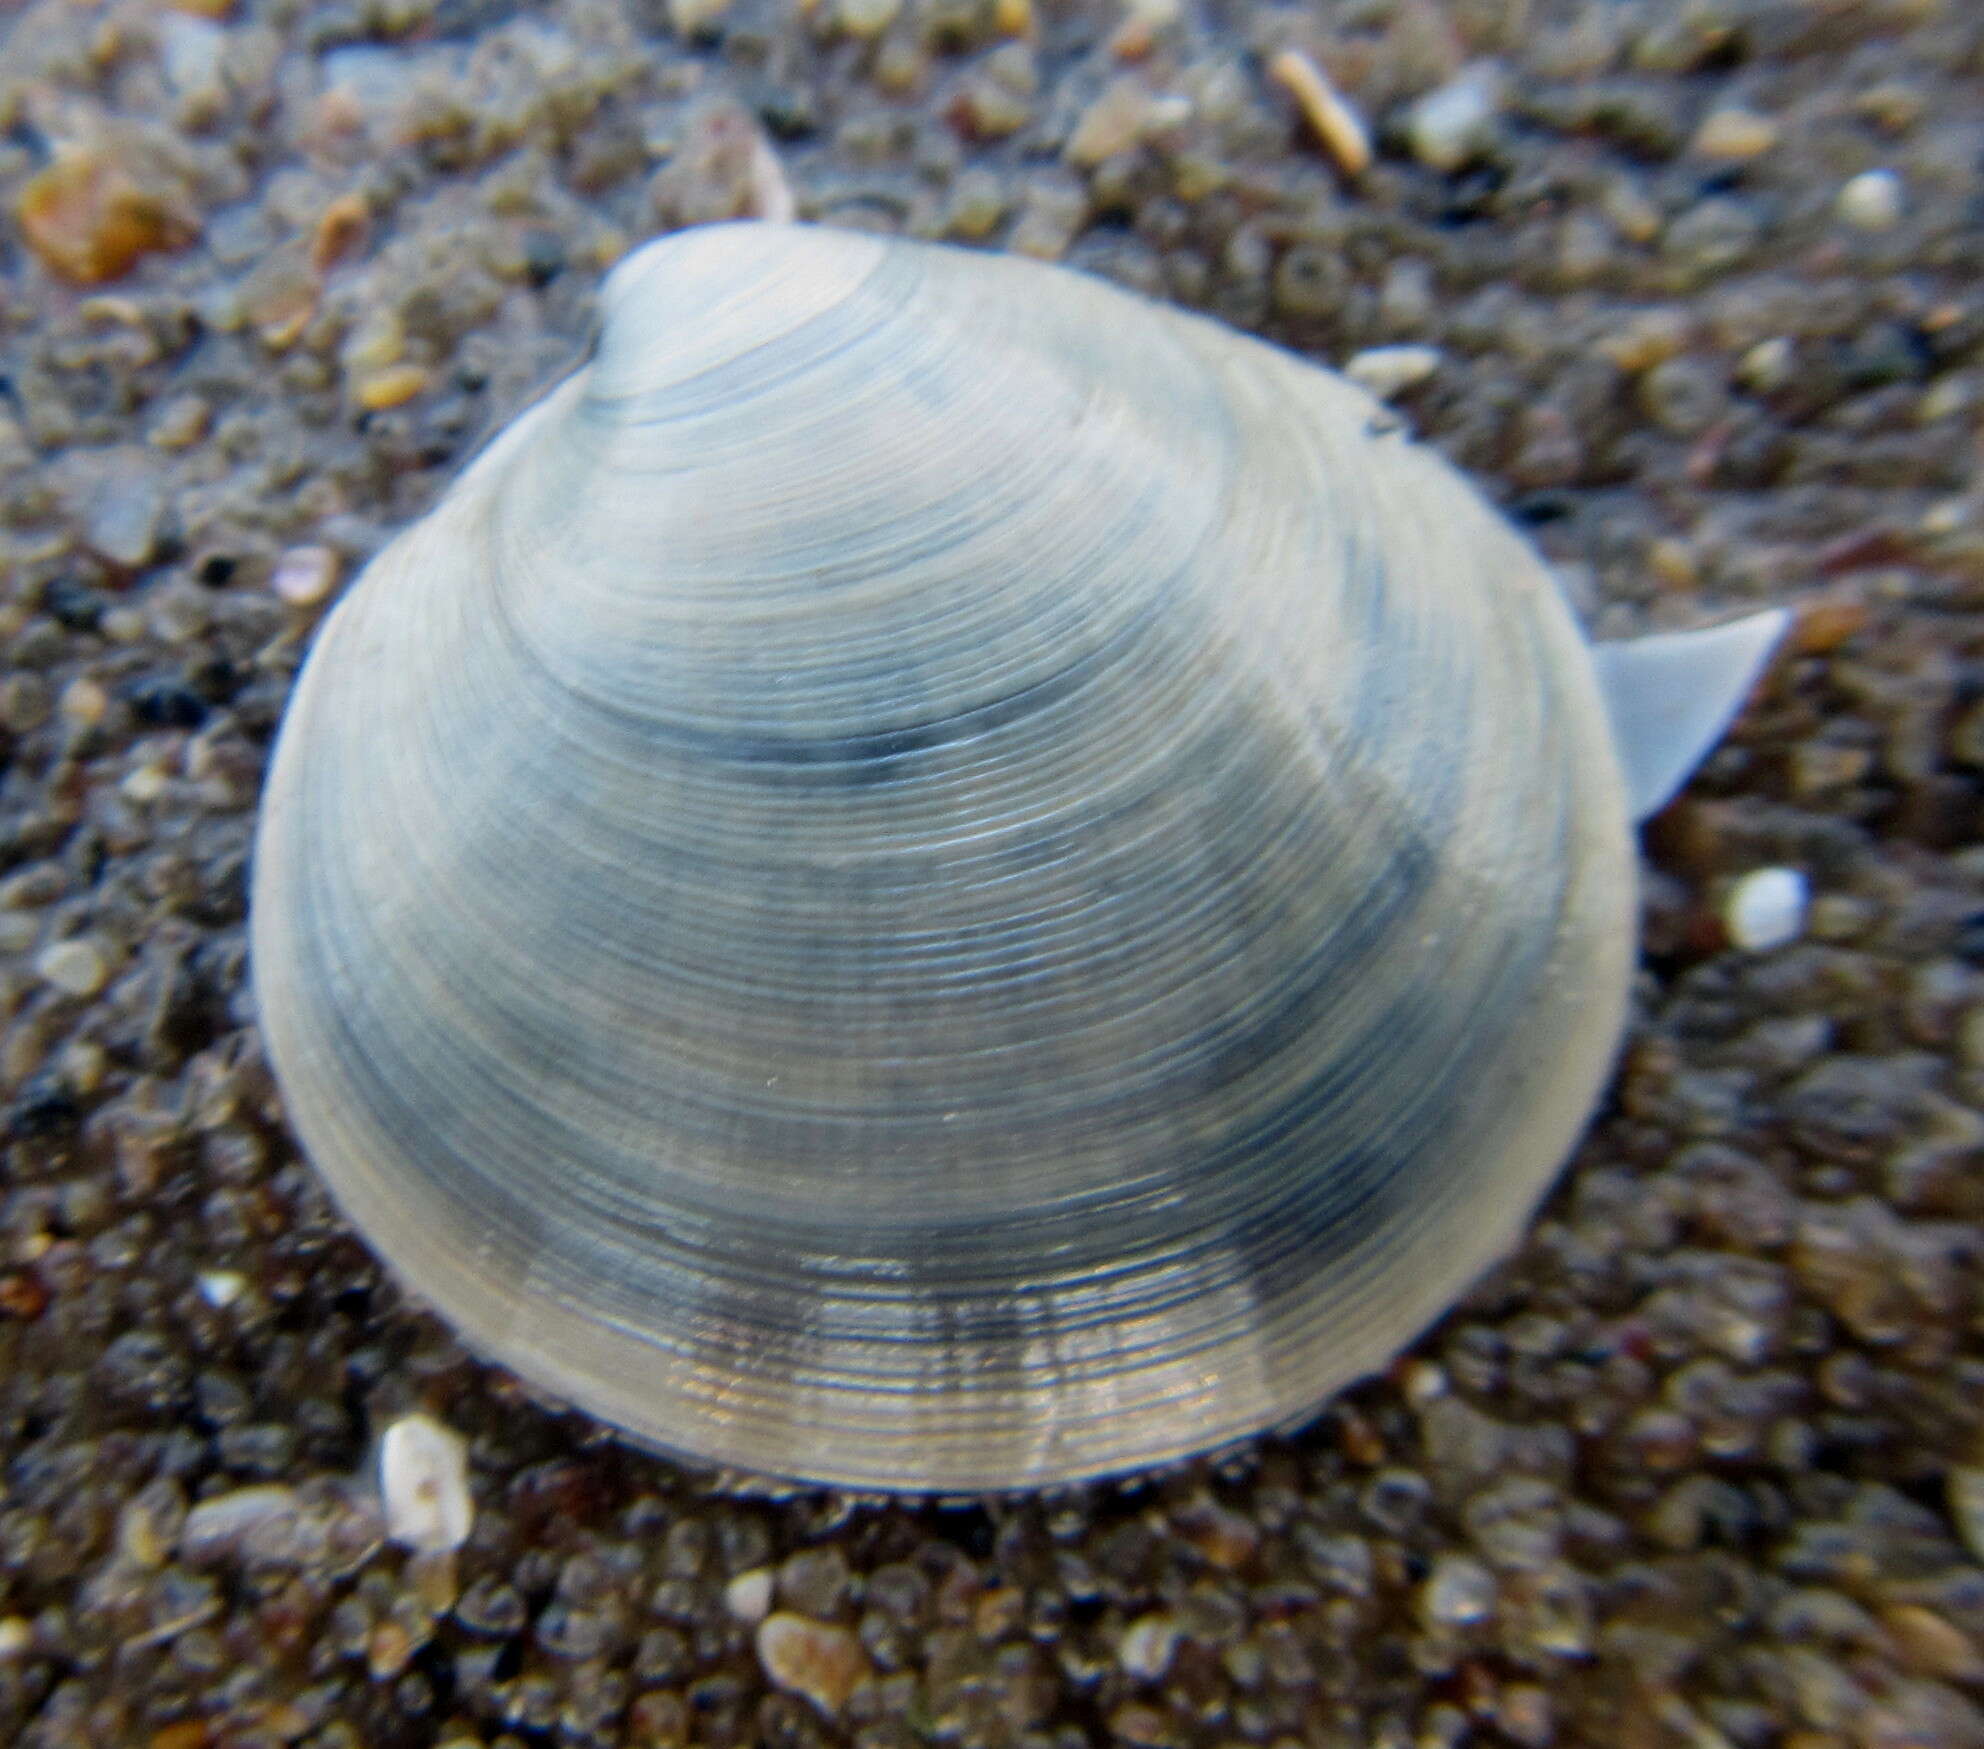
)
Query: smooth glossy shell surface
[{"x": 934, "y": 876}]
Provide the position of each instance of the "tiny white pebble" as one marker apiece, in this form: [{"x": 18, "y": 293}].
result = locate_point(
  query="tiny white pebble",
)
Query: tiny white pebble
[
  {"x": 83, "y": 1063},
  {"x": 1459, "y": 1592},
  {"x": 1147, "y": 1645},
  {"x": 220, "y": 1288},
  {"x": 16, "y": 1635},
  {"x": 1424, "y": 1382},
  {"x": 1872, "y": 201},
  {"x": 423, "y": 1479},
  {"x": 303, "y": 576},
  {"x": 1448, "y": 126},
  {"x": 748, "y": 1597},
  {"x": 146, "y": 783},
  {"x": 1766, "y": 908},
  {"x": 76, "y": 967},
  {"x": 1390, "y": 370},
  {"x": 1767, "y": 365}
]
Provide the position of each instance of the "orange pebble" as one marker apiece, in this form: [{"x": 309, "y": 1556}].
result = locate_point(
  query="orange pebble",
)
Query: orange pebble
[
  {"x": 89, "y": 220},
  {"x": 342, "y": 228}
]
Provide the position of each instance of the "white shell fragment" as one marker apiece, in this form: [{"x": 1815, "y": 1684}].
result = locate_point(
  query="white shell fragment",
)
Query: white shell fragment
[
  {"x": 932, "y": 876},
  {"x": 1766, "y": 909},
  {"x": 423, "y": 1481},
  {"x": 1391, "y": 370}
]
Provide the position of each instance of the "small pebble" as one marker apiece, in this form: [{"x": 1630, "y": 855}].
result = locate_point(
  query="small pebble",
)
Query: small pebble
[
  {"x": 76, "y": 967},
  {"x": 1326, "y": 110},
  {"x": 191, "y": 49},
  {"x": 1118, "y": 120},
  {"x": 1735, "y": 136},
  {"x": 88, "y": 218},
  {"x": 220, "y": 1288},
  {"x": 83, "y": 704},
  {"x": 16, "y": 1635},
  {"x": 181, "y": 423},
  {"x": 1147, "y": 1645},
  {"x": 303, "y": 576},
  {"x": 1932, "y": 1645},
  {"x": 1872, "y": 201},
  {"x": 1013, "y": 18},
  {"x": 146, "y": 783},
  {"x": 1766, "y": 909},
  {"x": 1459, "y": 1592},
  {"x": 342, "y": 228},
  {"x": 243, "y": 1522},
  {"x": 694, "y": 17},
  {"x": 123, "y": 505},
  {"x": 1964, "y": 1490},
  {"x": 1144, "y": 21},
  {"x": 1448, "y": 127},
  {"x": 392, "y": 387},
  {"x": 1391, "y": 370},
  {"x": 1767, "y": 366},
  {"x": 812, "y": 1658},
  {"x": 423, "y": 1479},
  {"x": 24, "y": 703},
  {"x": 748, "y": 1597},
  {"x": 867, "y": 19}
]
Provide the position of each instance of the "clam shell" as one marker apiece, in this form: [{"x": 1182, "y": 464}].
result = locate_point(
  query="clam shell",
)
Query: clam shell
[{"x": 932, "y": 876}]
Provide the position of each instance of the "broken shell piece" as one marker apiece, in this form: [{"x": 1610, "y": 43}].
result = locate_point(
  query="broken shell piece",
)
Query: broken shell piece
[{"x": 423, "y": 1480}]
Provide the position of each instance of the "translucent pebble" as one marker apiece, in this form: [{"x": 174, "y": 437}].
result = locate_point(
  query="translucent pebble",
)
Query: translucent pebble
[
  {"x": 1390, "y": 370},
  {"x": 227, "y": 1524},
  {"x": 1872, "y": 201},
  {"x": 1965, "y": 1491},
  {"x": 1448, "y": 126},
  {"x": 748, "y": 1597},
  {"x": 814, "y": 1658},
  {"x": 1766, "y": 908},
  {"x": 220, "y": 1287},
  {"x": 1735, "y": 136},
  {"x": 303, "y": 576},
  {"x": 1459, "y": 1592},
  {"x": 867, "y": 18},
  {"x": 76, "y": 968},
  {"x": 1147, "y": 1645}
]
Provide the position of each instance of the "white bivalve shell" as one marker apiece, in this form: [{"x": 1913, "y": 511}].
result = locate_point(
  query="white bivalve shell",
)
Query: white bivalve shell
[{"x": 932, "y": 876}]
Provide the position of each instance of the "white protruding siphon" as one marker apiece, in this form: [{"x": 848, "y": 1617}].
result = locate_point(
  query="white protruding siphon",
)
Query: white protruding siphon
[{"x": 1671, "y": 695}]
